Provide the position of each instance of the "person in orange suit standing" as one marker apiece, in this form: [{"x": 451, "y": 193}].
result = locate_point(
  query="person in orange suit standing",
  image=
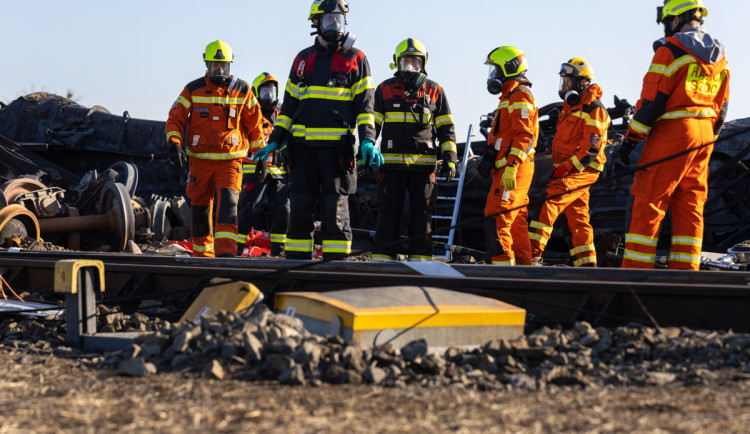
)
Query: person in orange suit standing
[
  {"x": 509, "y": 157},
  {"x": 683, "y": 105},
  {"x": 578, "y": 157},
  {"x": 223, "y": 120}
]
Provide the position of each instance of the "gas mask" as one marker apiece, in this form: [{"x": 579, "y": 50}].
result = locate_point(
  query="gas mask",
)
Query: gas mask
[
  {"x": 569, "y": 94},
  {"x": 267, "y": 96},
  {"x": 495, "y": 80},
  {"x": 332, "y": 27},
  {"x": 410, "y": 70},
  {"x": 218, "y": 72}
]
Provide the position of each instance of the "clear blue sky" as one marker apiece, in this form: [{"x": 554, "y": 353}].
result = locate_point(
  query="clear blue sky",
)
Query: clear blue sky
[{"x": 137, "y": 55}]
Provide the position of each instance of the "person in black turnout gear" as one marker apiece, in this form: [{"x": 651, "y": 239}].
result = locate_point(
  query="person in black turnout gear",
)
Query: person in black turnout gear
[
  {"x": 411, "y": 112},
  {"x": 266, "y": 179},
  {"x": 329, "y": 93}
]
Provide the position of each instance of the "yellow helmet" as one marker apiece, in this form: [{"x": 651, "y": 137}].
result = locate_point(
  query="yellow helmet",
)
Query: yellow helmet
[
  {"x": 577, "y": 67},
  {"x": 410, "y": 47},
  {"x": 675, "y": 8},
  {"x": 324, "y": 6},
  {"x": 510, "y": 60},
  {"x": 218, "y": 51}
]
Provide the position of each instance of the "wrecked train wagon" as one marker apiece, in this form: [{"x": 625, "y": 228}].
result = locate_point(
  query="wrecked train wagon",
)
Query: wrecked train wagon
[{"x": 70, "y": 140}]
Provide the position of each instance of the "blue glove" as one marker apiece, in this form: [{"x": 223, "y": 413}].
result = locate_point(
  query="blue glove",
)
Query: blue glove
[
  {"x": 263, "y": 153},
  {"x": 370, "y": 154}
]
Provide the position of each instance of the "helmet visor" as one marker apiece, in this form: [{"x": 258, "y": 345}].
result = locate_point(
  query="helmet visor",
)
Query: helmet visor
[
  {"x": 410, "y": 64},
  {"x": 218, "y": 70},
  {"x": 267, "y": 92},
  {"x": 494, "y": 72},
  {"x": 659, "y": 10},
  {"x": 568, "y": 69},
  {"x": 333, "y": 22}
]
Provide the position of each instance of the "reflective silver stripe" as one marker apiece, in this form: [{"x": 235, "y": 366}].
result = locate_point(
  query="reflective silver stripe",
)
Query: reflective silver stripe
[
  {"x": 505, "y": 263},
  {"x": 332, "y": 93},
  {"x": 284, "y": 122},
  {"x": 501, "y": 162},
  {"x": 183, "y": 101},
  {"x": 366, "y": 119},
  {"x": 278, "y": 238},
  {"x": 363, "y": 85},
  {"x": 213, "y": 156},
  {"x": 174, "y": 134},
  {"x": 409, "y": 159},
  {"x": 206, "y": 248},
  {"x": 379, "y": 118},
  {"x": 641, "y": 239},
  {"x": 230, "y": 236},
  {"x": 381, "y": 258},
  {"x": 298, "y": 245},
  {"x": 443, "y": 120},
  {"x": 218, "y": 100},
  {"x": 639, "y": 257},
  {"x": 684, "y": 257},
  {"x": 686, "y": 114},
  {"x": 687, "y": 241},
  {"x": 448, "y": 146},
  {"x": 337, "y": 246}
]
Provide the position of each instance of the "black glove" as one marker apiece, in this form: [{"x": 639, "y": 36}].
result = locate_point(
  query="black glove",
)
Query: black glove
[
  {"x": 261, "y": 170},
  {"x": 487, "y": 163},
  {"x": 176, "y": 154},
  {"x": 626, "y": 147},
  {"x": 448, "y": 170}
]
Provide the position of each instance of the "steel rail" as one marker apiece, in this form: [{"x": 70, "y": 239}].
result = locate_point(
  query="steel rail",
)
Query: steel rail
[{"x": 718, "y": 300}]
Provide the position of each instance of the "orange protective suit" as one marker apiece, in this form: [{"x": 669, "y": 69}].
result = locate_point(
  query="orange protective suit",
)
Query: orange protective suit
[
  {"x": 683, "y": 104},
  {"x": 579, "y": 146},
  {"x": 223, "y": 123},
  {"x": 514, "y": 134}
]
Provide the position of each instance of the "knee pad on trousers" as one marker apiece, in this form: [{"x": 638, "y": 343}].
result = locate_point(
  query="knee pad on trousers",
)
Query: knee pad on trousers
[
  {"x": 201, "y": 219},
  {"x": 228, "y": 206}
]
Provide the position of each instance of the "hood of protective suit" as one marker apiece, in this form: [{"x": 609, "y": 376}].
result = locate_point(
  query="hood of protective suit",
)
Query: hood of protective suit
[{"x": 701, "y": 44}]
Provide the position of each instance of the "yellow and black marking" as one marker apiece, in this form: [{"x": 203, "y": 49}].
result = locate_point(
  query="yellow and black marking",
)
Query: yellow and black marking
[
  {"x": 233, "y": 296},
  {"x": 400, "y": 314}
]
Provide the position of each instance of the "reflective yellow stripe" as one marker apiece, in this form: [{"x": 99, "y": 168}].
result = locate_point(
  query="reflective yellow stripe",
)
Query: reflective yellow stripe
[
  {"x": 403, "y": 117},
  {"x": 505, "y": 263},
  {"x": 542, "y": 226},
  {"x": 418, "y": 258},
  {"x": 363, "y": 85},
  {"x": 203, "y": 248},
  {"x": 540, "y": 238},
  {"x": 443, "y": 120},
  {"x": 174, "y": 134},
  {"x": 582, "y": 249},
  {"x": 641, "y": 239},
  {"x": 638, "y": 257},
  {"x": 330, "y": 93},
  {"x": 273, "y": 170},
  {"x": 584, "y": 260},
  {"x": 215, "y": 156},
  {"x": 284, "y": 122},
  {"x": 257, "y": 143},
  {"x": 577, "y": 163},
  {"x": 591, "y": 121},
  {"x": 217, "y": 100},
  {"x": 639, "y": 127},
  {"x": 318, "y": 133},
  {"x": 410, "y": 159},
  {"x": 230, "y": 236},
  {"x": 521, "y": 105},
  {"x": 501, "y": 162},
  {"x": 684, "y": 257},
  {"x": 379, "y": 118},
  {"x": 183, "y": 101},
  {"x": 596, "y": 166},
  {"x": 518, "y": 153},
  {"x": 298, "y": 245},
  {"x": 278, "y": 238},
  {"x": 685, "y": 114},
  {"x": 291, "y": 89},
  {"x": 381, "y": 258},
  {"x": 337, "y": 246},
  {"x": 687, "y": 241},
  {"x": 678, "y": 63},
  {"x": 366, "y": 119},
  {"x": 448, "y": 146}
]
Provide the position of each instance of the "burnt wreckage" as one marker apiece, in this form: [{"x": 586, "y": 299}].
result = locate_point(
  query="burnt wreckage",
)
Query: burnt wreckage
[{"x": 113, "y": 170}]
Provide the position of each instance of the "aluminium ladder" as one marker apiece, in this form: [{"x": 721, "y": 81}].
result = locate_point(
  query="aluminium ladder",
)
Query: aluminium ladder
[{"x": 454, "y": 200}]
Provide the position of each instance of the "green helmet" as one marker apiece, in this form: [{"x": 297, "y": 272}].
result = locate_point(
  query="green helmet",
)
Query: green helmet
[
  {"x": 509, "y": 60},
  {"x": 324, "y": 6},
  {"x": 410, "y": 47},
  {"x": 675, "y": 8},
  {"x": 218, "y": 51}
]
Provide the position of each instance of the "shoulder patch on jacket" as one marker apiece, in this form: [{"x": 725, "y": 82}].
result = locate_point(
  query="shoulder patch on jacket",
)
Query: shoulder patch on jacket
[
  {"x": 242, "y": 86},
  {"x": 597, "y": 103},
  {"x": 677, "y": 52},
  {"x": 196, "y": 84}
]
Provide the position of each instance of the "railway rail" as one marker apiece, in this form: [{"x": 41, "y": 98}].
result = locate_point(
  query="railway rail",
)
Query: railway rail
[{"x": 550, "y": 295}]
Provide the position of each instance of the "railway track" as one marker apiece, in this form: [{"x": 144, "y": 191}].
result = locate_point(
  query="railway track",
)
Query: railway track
[{"x": 551, "y": 295}]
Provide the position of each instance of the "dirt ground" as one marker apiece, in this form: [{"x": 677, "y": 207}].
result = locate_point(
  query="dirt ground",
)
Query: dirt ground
[{"x": 44, "y": 392}]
